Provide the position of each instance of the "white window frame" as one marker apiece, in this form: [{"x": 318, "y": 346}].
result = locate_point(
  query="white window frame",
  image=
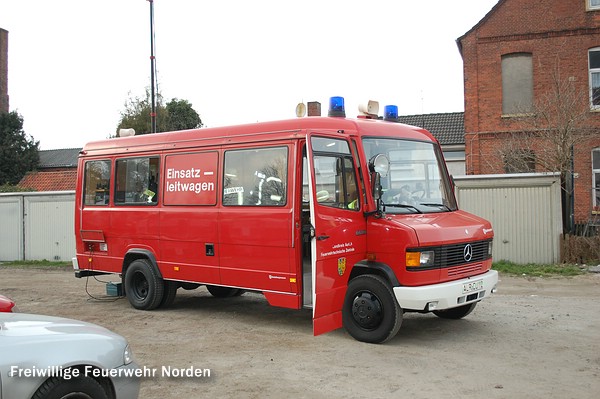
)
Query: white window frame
[
  {"x": 591, "y": 73},
  {"x": 595, "y": 190},
  {"x": 593, "y": 4}
]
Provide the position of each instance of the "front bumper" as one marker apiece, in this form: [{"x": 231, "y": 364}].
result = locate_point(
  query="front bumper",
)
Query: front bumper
[{"x": 446, "y": 295}]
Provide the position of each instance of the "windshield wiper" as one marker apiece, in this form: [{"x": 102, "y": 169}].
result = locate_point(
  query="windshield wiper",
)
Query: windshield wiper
[
  {"x": 404, "y": 206},
  {"x": 446, "y": 207}
]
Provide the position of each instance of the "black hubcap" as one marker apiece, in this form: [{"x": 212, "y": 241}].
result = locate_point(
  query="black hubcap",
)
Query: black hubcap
[
  {"x": 140, "y": 285},
  {"x": 367, "y": 310}
]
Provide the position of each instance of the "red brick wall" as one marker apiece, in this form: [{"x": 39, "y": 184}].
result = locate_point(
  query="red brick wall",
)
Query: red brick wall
[{"x": 558, "y": 34}]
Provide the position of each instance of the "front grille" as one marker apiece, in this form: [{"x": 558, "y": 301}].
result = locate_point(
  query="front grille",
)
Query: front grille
[
  {"x": 465, "y": 269},
  {"x": 449, "y": 256}
]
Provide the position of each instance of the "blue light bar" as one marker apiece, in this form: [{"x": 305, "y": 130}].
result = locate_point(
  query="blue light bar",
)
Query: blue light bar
[
  {"x": 390, "y": 113},
  {"x": 336, "y": 107}
]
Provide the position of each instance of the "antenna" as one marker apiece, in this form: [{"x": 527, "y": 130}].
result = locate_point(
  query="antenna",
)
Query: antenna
[{"x": 152, "y": 61}]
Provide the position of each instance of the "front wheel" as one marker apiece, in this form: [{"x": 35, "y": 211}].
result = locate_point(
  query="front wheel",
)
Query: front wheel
[
  {"x": 75, "y": 388},
  {"x": 371, "y": 313},
  {"x": 455, "y": 313},
  {"x": 144, "y": 288}
]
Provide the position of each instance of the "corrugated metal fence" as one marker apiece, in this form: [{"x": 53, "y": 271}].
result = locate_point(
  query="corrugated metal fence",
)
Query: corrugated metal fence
[
  {"x": 524, "y": 210},
  {"x": 36, "y": 226}
]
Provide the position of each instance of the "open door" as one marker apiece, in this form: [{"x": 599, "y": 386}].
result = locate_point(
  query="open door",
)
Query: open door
[{"x": 336, "y": 213}]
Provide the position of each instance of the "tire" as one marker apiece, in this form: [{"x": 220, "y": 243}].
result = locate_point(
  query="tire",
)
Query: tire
[
  {"x": 455, "y": 313},
  {"x": 143, "y": 286},
  {"x": 223, "y": 292},
  {"x": 371, "y": 313},
  {"x": 169, "y": 293},
  {"x": 76, "y": 388}
]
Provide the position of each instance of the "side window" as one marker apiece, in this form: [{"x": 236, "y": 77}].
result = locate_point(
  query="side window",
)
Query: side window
[
  {"x": 335, "y": 180},
  {"x": 97, "y": 183},
  {"x": 255, "y": 177},
  {"x": 136, "y": 181},
  {"x": 593, "y": 4}
]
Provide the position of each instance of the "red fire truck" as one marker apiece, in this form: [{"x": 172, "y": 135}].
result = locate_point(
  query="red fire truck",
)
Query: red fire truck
[{"x": 354, "y": 218}]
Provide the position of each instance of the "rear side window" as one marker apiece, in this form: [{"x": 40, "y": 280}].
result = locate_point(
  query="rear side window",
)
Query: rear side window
[
  {"x": 97, "y": 183},
  {"x": 136, "y": 181},
  {"x": 255, "y": 177}
]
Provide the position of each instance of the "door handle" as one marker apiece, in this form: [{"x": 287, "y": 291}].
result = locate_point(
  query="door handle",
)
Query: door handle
[{"x": 321, "y": 238}]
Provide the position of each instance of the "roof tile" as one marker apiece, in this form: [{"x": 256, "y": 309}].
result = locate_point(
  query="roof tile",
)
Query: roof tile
[
  {"x": 50, "y": 180},
  {"x": 448, "y": 128}
]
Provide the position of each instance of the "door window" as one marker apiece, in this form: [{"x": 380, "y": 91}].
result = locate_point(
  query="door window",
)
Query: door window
[{"x": 335, "y": 178}]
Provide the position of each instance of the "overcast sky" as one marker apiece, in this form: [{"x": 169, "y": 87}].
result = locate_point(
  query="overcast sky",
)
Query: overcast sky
[{"x": 72, "y": 64}]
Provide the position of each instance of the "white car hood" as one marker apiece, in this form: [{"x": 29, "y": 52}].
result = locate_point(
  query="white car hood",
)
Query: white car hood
[{"x": 23, "y": 324}]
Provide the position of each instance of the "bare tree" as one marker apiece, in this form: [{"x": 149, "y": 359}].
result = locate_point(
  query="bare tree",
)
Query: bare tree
[{"x": 547, "y": 135}]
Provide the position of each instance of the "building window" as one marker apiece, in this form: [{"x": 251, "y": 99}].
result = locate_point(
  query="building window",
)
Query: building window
[
  {"x": 596, "y": 179},
  {"x": 593, "y": 4},
  {"x": 519, "y": 161},
  {"x": 517, "y": 83},
  {"x": 594, "y": 67},
  {"x": 256, "y": 177}
]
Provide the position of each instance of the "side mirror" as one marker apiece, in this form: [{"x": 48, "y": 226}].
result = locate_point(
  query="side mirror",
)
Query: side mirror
[
  {"x": 376, "y": 186},
  {"x": 379, "y": 166}
]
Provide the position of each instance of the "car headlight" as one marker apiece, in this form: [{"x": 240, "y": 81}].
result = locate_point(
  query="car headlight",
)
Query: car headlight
[
  {"x": 420, "y": 258},
  {"x": 127, "y": 355},
  {"x": 490, "y": 247}
]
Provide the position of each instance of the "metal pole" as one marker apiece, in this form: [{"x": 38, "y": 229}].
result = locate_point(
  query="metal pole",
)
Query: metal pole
[
  {"x": 572, "y": 189},
  {"x": 152, "y": 84}
]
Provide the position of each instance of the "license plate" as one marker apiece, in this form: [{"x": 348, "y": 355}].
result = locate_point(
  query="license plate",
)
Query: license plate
[{"x": 472, "y": 286}]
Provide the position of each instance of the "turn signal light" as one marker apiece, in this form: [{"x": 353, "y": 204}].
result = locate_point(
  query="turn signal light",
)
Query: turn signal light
[{"x": 420, "y": 259}]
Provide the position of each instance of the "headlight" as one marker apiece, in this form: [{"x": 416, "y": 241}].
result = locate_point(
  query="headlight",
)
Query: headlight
[
  {"x": 127, "y": 355},
  {"x": 420, "y": 259},
  {"x": 490, "y": 247}
]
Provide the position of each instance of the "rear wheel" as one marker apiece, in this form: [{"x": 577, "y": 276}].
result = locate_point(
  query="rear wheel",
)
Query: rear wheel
[
  {"x": 143, "y": 286},
  {"x": 371, "y": 312},
  {"x": 455, "y": 313},
  {"x": 223, "y": 292}
]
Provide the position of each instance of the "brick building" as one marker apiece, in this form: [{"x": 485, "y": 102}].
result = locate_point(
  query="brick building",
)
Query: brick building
[
  {"x": 515, "y": 59},
  {"x": 56, "y": 171}
]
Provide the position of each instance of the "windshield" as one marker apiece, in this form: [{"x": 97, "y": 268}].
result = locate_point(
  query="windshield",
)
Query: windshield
[{"x": 417, "y": 181}]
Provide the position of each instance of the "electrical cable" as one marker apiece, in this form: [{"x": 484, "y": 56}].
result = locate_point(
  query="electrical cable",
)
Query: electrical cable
[{"x": 87, "y": 279}]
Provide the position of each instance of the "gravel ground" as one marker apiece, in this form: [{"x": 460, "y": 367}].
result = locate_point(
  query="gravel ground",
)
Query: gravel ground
[{"x": 536, "y": 338}]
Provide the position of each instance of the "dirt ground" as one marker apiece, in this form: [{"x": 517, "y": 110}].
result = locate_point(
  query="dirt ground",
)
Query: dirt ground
[{"x": 536, "y": 338}]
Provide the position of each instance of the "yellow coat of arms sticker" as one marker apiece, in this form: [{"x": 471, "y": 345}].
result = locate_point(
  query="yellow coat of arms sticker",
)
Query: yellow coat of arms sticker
[{"x": 341, "y": 266}]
